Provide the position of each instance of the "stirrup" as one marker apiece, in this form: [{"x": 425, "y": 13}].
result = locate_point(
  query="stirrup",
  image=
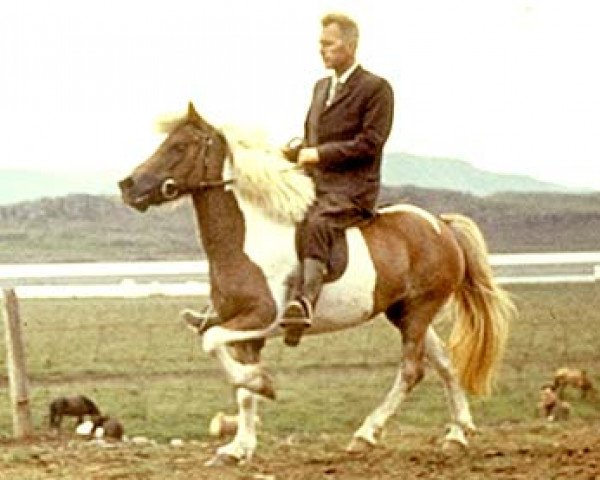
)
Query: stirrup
[{"x": 297, "y": 316}]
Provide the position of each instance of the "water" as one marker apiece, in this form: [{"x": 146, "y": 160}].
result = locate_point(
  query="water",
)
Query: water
[{"x": 136, "y": 279}]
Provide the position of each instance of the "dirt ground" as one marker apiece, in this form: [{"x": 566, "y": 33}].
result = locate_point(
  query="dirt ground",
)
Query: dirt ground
[{"x": 569, "y": 450}]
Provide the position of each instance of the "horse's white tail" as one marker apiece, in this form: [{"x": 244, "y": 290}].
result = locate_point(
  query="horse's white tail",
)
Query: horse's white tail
[{"x": 481, "y": 309}]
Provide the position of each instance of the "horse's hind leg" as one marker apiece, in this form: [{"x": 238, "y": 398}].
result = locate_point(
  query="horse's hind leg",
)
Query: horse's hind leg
[
  {"x": 461, "y": 420},
  {"x": 413, "y": 325}
]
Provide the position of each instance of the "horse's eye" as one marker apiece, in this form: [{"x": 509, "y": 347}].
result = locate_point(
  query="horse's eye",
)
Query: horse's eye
[{"x": 179, "y": 147}]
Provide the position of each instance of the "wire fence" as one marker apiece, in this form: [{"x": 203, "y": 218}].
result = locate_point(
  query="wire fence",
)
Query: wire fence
[{"x": 135, "y": 356}]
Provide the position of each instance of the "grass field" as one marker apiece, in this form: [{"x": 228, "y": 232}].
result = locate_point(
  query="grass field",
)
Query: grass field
[{"x": 139, "y": 363}]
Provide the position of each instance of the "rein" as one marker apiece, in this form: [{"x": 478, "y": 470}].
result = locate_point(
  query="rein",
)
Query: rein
[{"x": 210, "y": 184}]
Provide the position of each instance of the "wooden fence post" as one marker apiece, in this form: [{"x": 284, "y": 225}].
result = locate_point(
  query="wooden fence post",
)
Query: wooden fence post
[{"x": 15, "y": 363}]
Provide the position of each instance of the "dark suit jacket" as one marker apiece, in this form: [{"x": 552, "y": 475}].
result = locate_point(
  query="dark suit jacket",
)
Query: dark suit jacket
[{"x": 350, "y": 135}]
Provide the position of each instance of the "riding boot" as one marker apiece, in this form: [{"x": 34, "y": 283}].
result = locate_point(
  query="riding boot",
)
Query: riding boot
[
  {"x": 298, "y": 312},
  {"x": 293, "y": 284}
]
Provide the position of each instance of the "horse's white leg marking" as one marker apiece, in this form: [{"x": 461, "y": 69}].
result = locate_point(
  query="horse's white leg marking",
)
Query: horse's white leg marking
[
  {"x": 243, "y": 445},
  {"x": 251, "y": 376},
  {"x": 237, "y": 373},
  {"x": 217, "y": 336},
  {"x": 372, "y": 428},
  {"x": 457, "y": 400}
]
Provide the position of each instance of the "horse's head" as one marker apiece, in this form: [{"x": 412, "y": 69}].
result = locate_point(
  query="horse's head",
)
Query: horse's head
[{"x": 189, "y": 159}]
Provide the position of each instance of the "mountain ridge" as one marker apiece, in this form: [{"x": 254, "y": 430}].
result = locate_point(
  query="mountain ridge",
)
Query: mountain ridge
[
  {"x": 399, "y": 169},
  {"x": 81, "y": 227},
  {"x": 459, "y": 175}
]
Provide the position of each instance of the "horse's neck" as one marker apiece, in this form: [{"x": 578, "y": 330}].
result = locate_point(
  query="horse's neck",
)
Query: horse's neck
[
  {"x": 221, "y": 224},
  {"x": 233, "y": 231}
]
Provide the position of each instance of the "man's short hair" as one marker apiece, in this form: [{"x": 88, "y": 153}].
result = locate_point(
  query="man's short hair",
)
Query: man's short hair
[{"x": 347, "y": 25}]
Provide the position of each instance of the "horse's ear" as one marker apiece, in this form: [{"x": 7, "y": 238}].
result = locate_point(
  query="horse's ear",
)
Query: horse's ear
[
  {"x": 192, "y": 113},
  {"x": 194, "y": 116}
]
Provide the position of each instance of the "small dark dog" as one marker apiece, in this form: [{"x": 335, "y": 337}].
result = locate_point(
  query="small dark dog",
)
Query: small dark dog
[
  {"x": 551, "y": 406},
  {"x": 75, "y": 406},
  {"x": 112, "y": 428}
]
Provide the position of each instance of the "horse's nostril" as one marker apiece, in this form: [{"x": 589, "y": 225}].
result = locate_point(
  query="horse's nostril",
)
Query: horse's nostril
[{"x": 126, "y": 183}]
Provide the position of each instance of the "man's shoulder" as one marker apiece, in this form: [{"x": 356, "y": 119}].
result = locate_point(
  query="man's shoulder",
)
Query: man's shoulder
[
  {"x": 371, "y": 78},
  {"x": 323, "y": 80}
]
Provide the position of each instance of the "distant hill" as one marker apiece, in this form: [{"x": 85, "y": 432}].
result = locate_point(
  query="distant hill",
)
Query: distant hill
[
  {"x": 398, "y": 169},
  {"x": 451, "y": 174},
  {"x": 78, "y": 228},
  {"x": 20, "y": 185}
]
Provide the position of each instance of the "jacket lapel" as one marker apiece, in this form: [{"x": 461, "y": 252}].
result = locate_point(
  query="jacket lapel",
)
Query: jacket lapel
[
  {"x": 321, "y": 94},
  {"x": 345, "y": 89}
]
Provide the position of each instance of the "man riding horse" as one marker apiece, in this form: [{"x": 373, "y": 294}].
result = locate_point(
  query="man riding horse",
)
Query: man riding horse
[{"x": 346, "y": 127}]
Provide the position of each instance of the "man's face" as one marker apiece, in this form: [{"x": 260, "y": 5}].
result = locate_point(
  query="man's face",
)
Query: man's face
[{"x": 337, "y": 54}]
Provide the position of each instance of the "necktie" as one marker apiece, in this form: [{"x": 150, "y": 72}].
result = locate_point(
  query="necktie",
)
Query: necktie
[{"x": 334, "y": 89}]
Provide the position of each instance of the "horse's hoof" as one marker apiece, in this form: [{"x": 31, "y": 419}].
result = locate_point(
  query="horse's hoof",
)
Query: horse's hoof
[
  {"x": 453, "y": 447},
  {"x": 455, "y": 436},
  {"x": 359, "y": 445},
  {"x": 267, "y": 388},
  {"x": 470, "y": 430},
  {"x": 199, "y": 322},
  {"x": 222, "y": 460}
]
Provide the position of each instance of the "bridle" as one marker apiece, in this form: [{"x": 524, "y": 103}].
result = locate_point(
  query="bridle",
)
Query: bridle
[{"x": 170, "y": 189}]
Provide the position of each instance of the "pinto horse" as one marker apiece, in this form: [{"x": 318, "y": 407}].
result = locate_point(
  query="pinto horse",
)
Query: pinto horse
[{"x": 405, "y": 263}]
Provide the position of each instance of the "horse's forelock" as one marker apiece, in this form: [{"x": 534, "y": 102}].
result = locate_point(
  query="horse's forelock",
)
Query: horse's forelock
[{"x": 168, "y": 122}]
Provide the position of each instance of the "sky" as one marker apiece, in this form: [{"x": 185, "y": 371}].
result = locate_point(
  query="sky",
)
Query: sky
[{"x": 510, "y": 86}]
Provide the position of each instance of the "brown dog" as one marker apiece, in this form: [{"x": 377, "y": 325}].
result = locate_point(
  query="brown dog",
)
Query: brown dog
[
  {"x": 574, "y": 377},
  {"x": 112, "y": 429},
  {"x": 74, "y": 406}
]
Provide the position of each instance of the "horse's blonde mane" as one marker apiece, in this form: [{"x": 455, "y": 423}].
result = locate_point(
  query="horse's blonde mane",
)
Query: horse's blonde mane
[{"x": 264, "y": 178}]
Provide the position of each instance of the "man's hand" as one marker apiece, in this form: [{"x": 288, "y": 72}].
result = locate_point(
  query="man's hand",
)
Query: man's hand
[{"x": 308, "y": 155}]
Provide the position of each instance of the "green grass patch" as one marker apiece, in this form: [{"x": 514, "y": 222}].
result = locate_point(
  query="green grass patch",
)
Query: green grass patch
[{"x": 136, "y": 359}]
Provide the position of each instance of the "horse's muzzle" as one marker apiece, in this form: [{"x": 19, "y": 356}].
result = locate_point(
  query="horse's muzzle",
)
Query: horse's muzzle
[{"x": 134, "y": 196}]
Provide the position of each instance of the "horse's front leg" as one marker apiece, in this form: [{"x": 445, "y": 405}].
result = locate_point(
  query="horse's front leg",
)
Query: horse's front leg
[
  {"x": 249, "y": 375},
  {"x": 243, "y": 445}
]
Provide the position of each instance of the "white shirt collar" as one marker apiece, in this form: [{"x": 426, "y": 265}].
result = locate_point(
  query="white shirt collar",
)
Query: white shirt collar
[{"x": 344, "y": 76}]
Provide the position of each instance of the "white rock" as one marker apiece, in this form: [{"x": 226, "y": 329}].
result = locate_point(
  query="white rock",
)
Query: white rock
[{"x": 140, "y": 440}]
